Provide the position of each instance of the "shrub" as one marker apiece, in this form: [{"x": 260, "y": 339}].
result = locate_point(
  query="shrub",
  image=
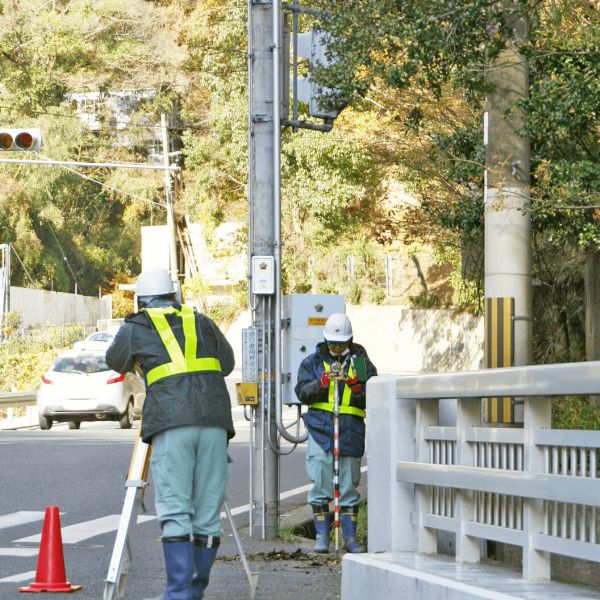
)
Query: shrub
[{"x": 575, "y": 412}]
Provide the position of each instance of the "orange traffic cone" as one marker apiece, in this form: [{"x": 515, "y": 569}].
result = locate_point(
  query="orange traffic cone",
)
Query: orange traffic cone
[{"x": 50, "y": 575}]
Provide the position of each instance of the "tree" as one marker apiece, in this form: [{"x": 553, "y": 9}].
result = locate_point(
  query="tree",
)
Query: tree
[
  {"x": 66, "y": 229},
  {"x": 386, "y": 48},
  {"x": 330, "y": 186}
]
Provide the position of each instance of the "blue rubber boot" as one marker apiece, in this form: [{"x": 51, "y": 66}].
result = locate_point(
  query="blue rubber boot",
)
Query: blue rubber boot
[
  {"x": 205, "y": 551},
  {"x": 322, "y": 525},
  {"x": 348, "y": 516},
  {"x": 179, "y": 566}
]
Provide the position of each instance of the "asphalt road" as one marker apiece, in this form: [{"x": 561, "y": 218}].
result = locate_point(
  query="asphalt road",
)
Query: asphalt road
[{"x": 83, "y": 473}]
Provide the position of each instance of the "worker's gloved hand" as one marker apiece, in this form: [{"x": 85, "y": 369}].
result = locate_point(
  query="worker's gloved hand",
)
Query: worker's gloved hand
[
  {"x": 325, "y": 381},
  {"x": 354, "y": 384}
]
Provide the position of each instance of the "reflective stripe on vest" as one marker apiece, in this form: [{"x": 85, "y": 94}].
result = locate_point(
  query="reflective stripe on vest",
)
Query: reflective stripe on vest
[
  {"x": 345, "y": 408},
  {"x": 180, "y": 362}
]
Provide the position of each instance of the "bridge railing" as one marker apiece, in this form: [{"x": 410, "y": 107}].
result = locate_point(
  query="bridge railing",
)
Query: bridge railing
[
  {"x": 11, "y": 400},
  {"x": 533, "y": 487}
]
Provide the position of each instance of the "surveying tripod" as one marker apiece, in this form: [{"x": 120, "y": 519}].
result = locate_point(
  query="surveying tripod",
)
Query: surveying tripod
[{"x": 122, "y": 555}]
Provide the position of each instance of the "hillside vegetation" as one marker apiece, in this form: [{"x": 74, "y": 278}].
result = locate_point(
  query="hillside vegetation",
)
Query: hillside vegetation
[{"x": 412, "y": 74}]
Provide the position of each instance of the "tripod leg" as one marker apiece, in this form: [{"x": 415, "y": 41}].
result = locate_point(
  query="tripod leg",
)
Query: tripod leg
[
  {"x": 122, "y": 556},
  {"x": 252, "y": 576}
]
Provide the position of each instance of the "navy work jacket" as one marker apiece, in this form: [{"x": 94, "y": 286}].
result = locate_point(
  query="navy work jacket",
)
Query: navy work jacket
[{"x": 320, "y": 422}]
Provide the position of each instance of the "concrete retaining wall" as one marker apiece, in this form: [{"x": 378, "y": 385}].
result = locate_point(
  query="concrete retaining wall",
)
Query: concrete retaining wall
[
  {"x": 405, "y": 340},
  {"x": 42, "y": 307}
]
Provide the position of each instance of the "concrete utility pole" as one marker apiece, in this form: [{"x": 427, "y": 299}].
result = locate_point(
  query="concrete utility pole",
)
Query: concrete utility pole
[
  {"x": 507, "y": 219},
  {"x": 4, "y": 285},
  {"x": 261, "y": 242},
  {"x": 173, "y": 266},
  {"x": 592, "y": 308}
]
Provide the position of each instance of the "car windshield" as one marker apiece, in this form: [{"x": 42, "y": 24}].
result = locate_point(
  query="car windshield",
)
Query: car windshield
[
  {"x": 80, "y": 364},
  {"x": 101, "y": 337}
]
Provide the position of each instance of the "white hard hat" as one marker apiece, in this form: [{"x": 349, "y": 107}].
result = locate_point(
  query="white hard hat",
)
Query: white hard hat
[
  {"x": 154, "y": 282},
  {"x": 338, "y": 328}
]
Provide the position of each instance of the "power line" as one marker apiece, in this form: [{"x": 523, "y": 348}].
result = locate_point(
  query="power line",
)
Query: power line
[
  {"x": 110, "y": 187},
  {"x": 22, "y": 264},
  {"x": 64, "y": 256}
]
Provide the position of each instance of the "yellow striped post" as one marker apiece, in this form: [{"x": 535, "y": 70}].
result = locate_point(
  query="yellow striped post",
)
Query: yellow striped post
[{"x": 499, "y": 352}]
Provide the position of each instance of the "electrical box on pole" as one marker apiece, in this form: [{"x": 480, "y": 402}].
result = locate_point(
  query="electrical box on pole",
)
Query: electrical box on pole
[
  {"x": 20, "y": 140},
  {"x": 304, "y": 316},
  {"x": 263, "y": 275}
]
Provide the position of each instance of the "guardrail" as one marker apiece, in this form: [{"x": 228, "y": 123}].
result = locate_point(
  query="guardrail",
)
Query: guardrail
[
  {"x": 11, "y": 400},
  {"x": 534, "y": 487}
]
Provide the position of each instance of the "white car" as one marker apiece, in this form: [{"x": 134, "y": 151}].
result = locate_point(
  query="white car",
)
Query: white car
[
  {"x": 99, "y": 340},
  {"x": 79, "y": 386}
]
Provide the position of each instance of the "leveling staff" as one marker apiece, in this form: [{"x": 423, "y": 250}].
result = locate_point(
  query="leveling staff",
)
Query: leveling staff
[{"x": 187, "y": 419}]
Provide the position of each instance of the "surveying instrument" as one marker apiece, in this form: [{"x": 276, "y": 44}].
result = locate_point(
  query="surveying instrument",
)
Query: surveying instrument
[{"x": 122, "y": 555}]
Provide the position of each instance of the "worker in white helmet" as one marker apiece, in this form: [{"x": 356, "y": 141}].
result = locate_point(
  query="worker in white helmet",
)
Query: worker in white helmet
[
  {"x": 187, "y": 419},
  {"x": 315, "y": 389}
]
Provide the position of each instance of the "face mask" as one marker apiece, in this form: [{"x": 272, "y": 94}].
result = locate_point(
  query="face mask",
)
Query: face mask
[{"x": 337, "y": 351}]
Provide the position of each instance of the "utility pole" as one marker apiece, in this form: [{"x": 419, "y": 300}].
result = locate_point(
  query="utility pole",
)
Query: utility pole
[
  {"x": 4, "y": 286},
  {"x": 173, "y": 267},
  {"x": 261, "y": 242},
  {"x": 268, "y": 107},
  {"x": 507, "y": 219}
]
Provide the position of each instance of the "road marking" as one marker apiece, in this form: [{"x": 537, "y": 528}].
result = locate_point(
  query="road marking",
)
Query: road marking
[
  {"x": 18, "y": 551},
  {"x": 20, "y": 518},
  {"x": 19, "y": 577},
  {"x": 87, "y": 529}
]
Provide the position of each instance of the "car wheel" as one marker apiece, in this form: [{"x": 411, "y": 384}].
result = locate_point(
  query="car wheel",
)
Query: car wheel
[
  {"x": 45, "y": 422},
  {"x": 74, "y": 424},
  {"x": 127, "y": 417}
]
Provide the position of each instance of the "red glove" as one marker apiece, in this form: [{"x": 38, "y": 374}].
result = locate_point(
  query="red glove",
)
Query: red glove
[
  {"x": 325, "y": 381},
  {"x": 354, "y": 384}
]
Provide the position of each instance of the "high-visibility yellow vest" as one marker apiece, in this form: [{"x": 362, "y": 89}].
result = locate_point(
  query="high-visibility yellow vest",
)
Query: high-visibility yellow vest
[
  {"x": 180, "y": 362},
  {"x": 345, "y": 407}
]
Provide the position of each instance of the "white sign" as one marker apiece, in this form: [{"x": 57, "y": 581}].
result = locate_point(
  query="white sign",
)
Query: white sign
[{"x": 249, "y": 355}]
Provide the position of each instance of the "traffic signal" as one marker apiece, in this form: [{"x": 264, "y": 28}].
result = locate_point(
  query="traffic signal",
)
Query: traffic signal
[
  {"x": 20, "y": 140},
  {"x": 313, "y": 47}
]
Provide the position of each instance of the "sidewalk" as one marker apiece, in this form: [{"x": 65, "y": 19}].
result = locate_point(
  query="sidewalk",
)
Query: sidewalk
[{"x": 287, "y": 570}]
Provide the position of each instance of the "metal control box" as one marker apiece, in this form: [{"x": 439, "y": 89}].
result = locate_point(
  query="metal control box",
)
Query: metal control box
[{"x": 304, "y": 317}]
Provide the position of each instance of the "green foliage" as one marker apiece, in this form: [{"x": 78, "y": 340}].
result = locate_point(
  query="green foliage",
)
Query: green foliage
[
  {"x": 362, "y": 523},
  {"x": 26, "y": 359},
  {"x": 354, "y": 293},
  {"x": 223, "y": 313},
  {"x": 286, "y": 534},
  {"x": 413, "y": 74},
  {"x": 404, "y": 44},
  {"x": 398, "y": 55},
  {"x": 122, "y": 303},
  {"x": 376, "y": 295},
  {"x": 67, "y": 228},
  {"x": 575, "y": 412}
]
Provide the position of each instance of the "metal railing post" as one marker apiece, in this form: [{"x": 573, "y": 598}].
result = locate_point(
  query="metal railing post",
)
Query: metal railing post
[
  {"x": 468, "y": 414},
  {"x": 537, "y": 415},
  {"x": 426, "y": 415}
]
